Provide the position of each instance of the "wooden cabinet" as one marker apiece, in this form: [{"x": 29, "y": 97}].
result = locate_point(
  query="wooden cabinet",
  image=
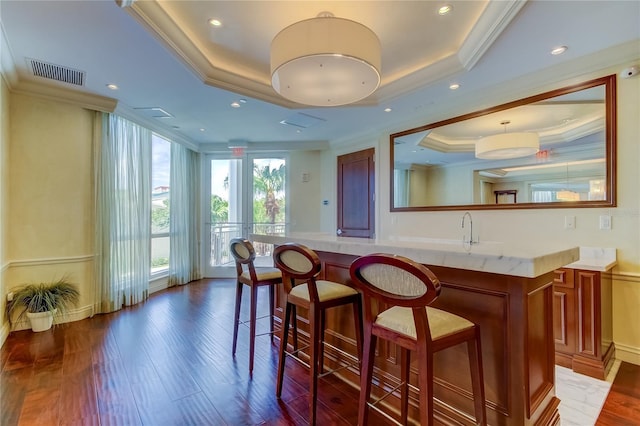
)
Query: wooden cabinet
[
  {"x": 582, "y": 324},
  {"x": 515, "y": 318}
]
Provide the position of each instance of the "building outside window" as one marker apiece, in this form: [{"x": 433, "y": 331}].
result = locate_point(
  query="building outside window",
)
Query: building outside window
[{"x": 160, "y": 203}]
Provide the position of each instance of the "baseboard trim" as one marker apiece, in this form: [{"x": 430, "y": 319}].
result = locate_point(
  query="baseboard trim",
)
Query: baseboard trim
[
  {"x": 4, "y": 333},
  {"x": 72, "y": 315},
  {"x": 628, "y": 353}
]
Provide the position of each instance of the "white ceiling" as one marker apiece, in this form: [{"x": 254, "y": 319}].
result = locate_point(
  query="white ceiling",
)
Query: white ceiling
[{"x": 164, "y": 54}]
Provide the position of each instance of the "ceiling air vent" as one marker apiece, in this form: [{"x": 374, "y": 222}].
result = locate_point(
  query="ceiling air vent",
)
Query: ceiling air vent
[
  {"x": 303, "y": 121},
  {"x": 56, "y": 72}
]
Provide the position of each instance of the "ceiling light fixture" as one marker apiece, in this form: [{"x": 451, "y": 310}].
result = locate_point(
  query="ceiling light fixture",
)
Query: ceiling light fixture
[
  {"x": 215, "y": 22},
  {"x": 112, "y": 86},
  {"x": 507, "y": 145},
  {"x": 559, "y": 50},
  {"x": 445, "y": 9},
  {"x": 454, "y": 86},
  {"x": 325, "y": 61}
]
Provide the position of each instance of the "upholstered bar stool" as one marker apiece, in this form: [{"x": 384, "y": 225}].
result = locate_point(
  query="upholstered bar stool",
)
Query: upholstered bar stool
[
  {"x": 247, "y": 274},
  {"x": 406, "y": 288},
  {"x": 300, "y": 267}
]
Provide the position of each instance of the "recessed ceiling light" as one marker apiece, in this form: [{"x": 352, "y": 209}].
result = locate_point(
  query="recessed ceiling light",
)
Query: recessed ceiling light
[
  {"x": 445, "y": 9},
  {"x": 559, "y": 50},
  {"x": 243, "y": 101},
  {"x": 202, "y": 129},
  {"x": 387, "y": 110},
  {"x": 454, "y": 86},
  {"x": 235, "y": 105},
  {"x": 215, "y": 22},
  {"x": 112, "y": 86}
]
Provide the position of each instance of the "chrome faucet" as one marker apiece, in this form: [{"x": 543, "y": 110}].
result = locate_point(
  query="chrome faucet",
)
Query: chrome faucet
[{"x": 470, "y": 229}]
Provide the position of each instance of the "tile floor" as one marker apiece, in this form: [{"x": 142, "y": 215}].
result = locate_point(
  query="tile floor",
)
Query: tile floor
[{"x": 582, "y": 397}]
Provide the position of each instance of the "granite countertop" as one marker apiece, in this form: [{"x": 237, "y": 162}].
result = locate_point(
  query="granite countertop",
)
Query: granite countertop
[
  {"x": 595, "y": 259},
  {"x": 524, "y": 260}
]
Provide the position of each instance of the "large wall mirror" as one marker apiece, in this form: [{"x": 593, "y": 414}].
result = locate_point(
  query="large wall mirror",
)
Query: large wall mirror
[{"x": 553, "y": 150}]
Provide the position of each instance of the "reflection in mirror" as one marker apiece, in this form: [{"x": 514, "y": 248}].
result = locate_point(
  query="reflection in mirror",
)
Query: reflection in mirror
[{"x": 438, "y": 166}]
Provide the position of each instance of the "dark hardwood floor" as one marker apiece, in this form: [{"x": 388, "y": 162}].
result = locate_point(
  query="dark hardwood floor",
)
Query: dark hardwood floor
[
  {"x": 168, "y": 362},
  {"x": 622, "y": 406}
]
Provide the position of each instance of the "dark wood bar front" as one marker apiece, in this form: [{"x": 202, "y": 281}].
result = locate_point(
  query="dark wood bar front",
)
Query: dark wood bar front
[{"x": 515, "y": 317}]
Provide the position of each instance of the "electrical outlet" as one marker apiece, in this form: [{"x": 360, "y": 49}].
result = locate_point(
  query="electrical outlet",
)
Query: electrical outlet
[
  {"x": 605, "y": 222},
  {"x": 569, "y": 222}
]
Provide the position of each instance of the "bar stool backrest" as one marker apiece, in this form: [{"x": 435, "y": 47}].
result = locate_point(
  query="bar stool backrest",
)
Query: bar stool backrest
[
  {"x": 298, "y": 263},
  {"x": 244, "y": 254}
]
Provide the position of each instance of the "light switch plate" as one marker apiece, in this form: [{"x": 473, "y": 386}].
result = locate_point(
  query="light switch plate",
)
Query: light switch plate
[
  {"x": 605, "y": 222},
  {"x": 569, "y": 222}
]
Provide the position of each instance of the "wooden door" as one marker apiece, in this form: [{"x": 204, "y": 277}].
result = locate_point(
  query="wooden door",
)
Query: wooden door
[{"x": 356, "y": 194}]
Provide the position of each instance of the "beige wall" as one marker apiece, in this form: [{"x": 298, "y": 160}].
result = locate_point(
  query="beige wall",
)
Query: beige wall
[
  {"x": 51, "y": 196},
  {"x": 51, "y": 223},
  {"x": 540, "y": 226},
  {"x": 4, "y": 198},
  {"x": 304, "y": 197}
]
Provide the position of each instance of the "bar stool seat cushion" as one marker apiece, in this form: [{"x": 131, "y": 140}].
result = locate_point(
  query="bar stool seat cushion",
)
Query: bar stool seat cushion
[
  {"x": 441, "y": 323},
  {"x": 264, "y": 274},
  {"x": 327, "y": 290}
]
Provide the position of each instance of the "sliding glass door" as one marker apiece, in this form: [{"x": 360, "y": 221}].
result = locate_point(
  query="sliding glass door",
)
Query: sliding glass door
[{"x": 242, "y": 195}]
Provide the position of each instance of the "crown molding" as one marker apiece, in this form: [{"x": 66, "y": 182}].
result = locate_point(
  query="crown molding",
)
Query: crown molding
[
  {"x": 494, "y": 19},
  {"x": 60, "y": 94},
  {"x": 153, "y": 17},
  {"x": 256, "y": 83},
  {"x": 7, "y": 64}
]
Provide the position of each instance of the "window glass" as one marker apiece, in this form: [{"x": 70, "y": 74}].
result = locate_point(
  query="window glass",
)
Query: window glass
[{"x": 160, "y": 203}]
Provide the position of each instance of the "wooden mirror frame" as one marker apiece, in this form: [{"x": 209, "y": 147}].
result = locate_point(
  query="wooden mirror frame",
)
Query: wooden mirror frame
[{"x": 609, "y": 83}]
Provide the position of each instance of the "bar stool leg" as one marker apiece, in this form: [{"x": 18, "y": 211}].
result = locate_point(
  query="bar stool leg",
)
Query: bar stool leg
[
  {"x": 283, "y": 347},
  {"x": 294, "y": 322},
  {"x": 405, "y": 364},
  {"x": 271, "y": 309},
  {"x": 425, "y": 384},
  {"x": 321, "y": 342},
  {"x": 477, "y": 379},
  {"x": 366, "y": 372},
  {"x": 315, "y": 335},
  {"x": 252, "y": 325},
  {"x": 236, "y": 316},
  {"x": 357, "y": 320}
]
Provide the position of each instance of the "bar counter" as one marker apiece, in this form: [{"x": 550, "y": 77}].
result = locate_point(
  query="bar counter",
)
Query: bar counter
[{"x": 506, "y": 289}]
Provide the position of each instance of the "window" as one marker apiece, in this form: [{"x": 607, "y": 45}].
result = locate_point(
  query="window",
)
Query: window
[{"x": 160, "y": 203}]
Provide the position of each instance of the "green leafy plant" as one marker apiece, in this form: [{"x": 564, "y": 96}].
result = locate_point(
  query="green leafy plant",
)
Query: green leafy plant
[{"x": 59, "y": 296}]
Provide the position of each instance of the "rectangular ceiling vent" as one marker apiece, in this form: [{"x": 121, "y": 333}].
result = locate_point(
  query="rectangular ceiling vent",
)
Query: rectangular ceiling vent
[
  {"x": 154, "y": 112},
  {"x": 56, "y": 72},
  {"x": 302, "y": 121}
]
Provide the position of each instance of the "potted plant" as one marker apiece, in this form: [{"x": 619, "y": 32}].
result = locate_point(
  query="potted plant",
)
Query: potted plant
[{"x": 40, "y": 302}]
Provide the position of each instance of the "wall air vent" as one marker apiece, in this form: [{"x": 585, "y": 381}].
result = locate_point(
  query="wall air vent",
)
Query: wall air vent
[{"x": 56, "y": 72}]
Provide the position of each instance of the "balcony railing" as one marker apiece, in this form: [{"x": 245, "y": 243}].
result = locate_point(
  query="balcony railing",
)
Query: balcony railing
[{"x": 223, "y": 233}]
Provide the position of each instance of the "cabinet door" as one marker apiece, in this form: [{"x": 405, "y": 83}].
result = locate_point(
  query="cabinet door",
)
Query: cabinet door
[
  {"x": 588, "y": 287},
  {"x": 564, "y": 316}
]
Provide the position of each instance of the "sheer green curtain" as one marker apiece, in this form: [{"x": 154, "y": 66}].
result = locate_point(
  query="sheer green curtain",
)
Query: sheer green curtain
[
  {"x": 184, "y": 258},
  {"x": 123, "y": 213}
]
